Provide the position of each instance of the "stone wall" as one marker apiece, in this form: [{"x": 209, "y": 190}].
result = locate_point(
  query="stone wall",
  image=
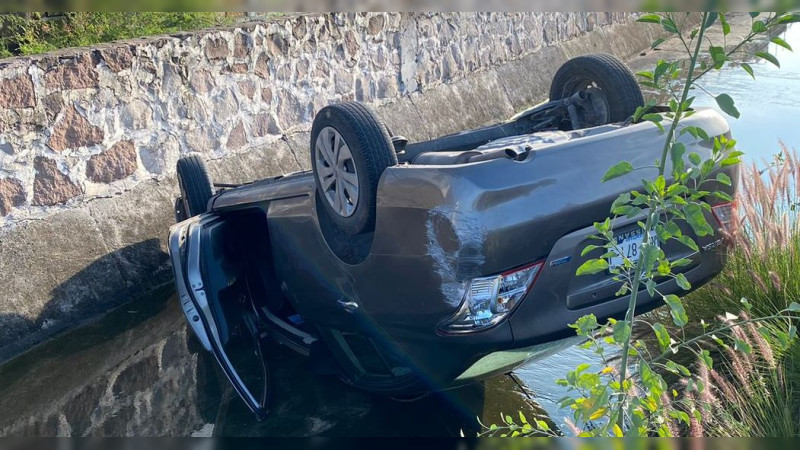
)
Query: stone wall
[
  {"x": 89, "y": 137},
  {"x": 88, "y": 123}
]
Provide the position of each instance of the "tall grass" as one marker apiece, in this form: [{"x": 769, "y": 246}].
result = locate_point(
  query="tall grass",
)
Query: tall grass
[
  {"x": 764, "y": 258},
  {"x": 752, "y": 395}
]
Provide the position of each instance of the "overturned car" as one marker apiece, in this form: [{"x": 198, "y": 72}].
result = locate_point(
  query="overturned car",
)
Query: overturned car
[{"x": 407, "y": 267}]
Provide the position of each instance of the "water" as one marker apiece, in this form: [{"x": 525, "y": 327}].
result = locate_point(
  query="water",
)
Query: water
[
  {"x": 139, "y": 372},
  {"x": 768, "y": 105}
]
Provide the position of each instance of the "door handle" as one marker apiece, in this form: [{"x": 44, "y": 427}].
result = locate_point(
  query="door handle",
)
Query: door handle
[{"x": 348, "y": 306}]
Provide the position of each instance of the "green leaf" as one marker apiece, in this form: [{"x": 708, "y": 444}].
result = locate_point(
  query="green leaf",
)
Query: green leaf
[
  {"x": 649, "y": 255},
  {"x": 664, "y": 269},
  {"x": 663, "y": 336},
  {"x": 705, "y": 356},
  {"x": 689, "y": 242},
  {"x": 724, "y": 179},
  {"x": 680, "y": 415},
  {"x": 718, "y": 56},
  {"x": 618, "y": 170},
  {"x": 789, "y": 18},
  {"x": 592, "y": 266},
  {"x": 657, "y": 42},
  {"x": 669, "y": 26},
  {"x": 676, "y": 152},
  {"x": 522, "y": 418},
  {"x": 725, "y": 103},
  {"x": 794, "y": 307},
  {"x": 585, "y": 324},
  {"x": 749, "y": 69},
  {"x": 649, "y": 18},
  {"x": 754, "y": 14},
  {"x": 695, "y": 158},
  {"x": 742, "y": 346},
  {"x": 769, "y": 57},
  {"x": 622, "y": 331},
  {"x": 712, "y": 17},
  {"x": 724, "y": 196},
  {"x": 681, "y": 262},
  {"x": 653, "y": 117},
  {"x": 726, "y": 28},
  {"x": 649, "y": 76},
  {"x": 542, "y": 425},
  {"x": 623, "y": 199},
  {"x": 758, "y": 27},
  {"x": 683, "y": 282},
  {"x": 729, "y": 162},
  {"x": 589, "y": 248},
  {"x": 697, "y": 220},
  {"x": 676, "y": 368},
  {"x": 679, "y": 316},
  {"x": 781, "y": 42}
]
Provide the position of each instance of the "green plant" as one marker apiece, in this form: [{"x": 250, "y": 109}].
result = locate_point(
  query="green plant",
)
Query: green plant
[
  {"x": 630, "y": 399},
  {"x": 38, "y": 34}
]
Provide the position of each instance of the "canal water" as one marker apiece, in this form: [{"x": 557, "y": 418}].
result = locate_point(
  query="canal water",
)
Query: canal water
[{"x": 138, "y": 371}]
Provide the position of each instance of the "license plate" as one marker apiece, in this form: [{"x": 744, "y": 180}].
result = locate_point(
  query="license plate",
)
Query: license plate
[{"x": 629, "y": 245}]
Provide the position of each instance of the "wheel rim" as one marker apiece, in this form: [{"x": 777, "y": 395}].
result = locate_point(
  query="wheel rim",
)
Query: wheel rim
[
  {"x": 596, "y": 110},
  {"x": 336, "y": 171}
]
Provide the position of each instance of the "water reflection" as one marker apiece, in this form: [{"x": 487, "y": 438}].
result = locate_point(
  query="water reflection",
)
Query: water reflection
[
  {"x": 305, "y": 404},
  {"x": 132, "y": 373},
  {"x": 139, "y": 372}
]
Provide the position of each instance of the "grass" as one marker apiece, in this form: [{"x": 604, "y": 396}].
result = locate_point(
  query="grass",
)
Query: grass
[
  {"x": 752, "y": 395},
  {"x": 20, "y": 35}
]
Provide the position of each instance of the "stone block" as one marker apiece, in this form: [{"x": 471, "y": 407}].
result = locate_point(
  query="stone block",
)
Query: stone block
[
  {"x": 50, "y": 185},
  {"x": 74, "y": 131},
  {"x": 17, "y": 92},
  {"x": 114, "y": 164},
  {"x": 11, "y": 195}
]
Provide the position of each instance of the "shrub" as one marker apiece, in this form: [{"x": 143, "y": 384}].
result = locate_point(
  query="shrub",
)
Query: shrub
[{"x": 36, "y": 33}]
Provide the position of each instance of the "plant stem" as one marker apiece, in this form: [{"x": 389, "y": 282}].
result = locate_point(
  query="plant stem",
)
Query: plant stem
[{"x": 652, "y": 219}]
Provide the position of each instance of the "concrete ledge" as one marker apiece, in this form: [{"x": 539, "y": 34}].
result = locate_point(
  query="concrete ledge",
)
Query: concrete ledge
[{"x": 79, "y": 263}]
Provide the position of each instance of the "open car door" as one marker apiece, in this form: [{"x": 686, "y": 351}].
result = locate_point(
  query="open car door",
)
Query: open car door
[{"x": 216, "y": 301}]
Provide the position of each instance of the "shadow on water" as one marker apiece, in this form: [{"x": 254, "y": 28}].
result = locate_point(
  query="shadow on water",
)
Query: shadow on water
[
  {"x": 304, "y": 404},
  {"x": 139, "y": 371}
]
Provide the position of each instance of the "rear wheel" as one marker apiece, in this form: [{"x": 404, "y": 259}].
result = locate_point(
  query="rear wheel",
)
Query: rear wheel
[
  {"x": 195, "y": 186},
  {"x": 350, "y": 149},
  {"x": 609, "y": 88}
]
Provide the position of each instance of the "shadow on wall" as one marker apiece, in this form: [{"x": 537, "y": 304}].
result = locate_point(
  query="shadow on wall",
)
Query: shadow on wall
[{"x": 144, "y": 268}]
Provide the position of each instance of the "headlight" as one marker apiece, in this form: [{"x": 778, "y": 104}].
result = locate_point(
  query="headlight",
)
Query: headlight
[{"x": 490, "y": 299}]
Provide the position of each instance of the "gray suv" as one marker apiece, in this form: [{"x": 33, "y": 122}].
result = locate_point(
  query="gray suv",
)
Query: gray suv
[{"x": 407, "y": 267}]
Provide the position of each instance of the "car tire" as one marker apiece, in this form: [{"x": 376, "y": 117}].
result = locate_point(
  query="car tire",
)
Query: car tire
[
  {"x": 611, "y": 76},
  {"x": 350, "y": 149},
  {"x": 195, "y": 185}
]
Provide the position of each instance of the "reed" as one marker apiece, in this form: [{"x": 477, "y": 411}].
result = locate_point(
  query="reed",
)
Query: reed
[{"x": 752, "y": 394}]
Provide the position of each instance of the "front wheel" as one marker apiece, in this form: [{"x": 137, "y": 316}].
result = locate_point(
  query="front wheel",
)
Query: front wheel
[
  {"x": 610, "y": 91},
  {"x": 350, "y": 149}
]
